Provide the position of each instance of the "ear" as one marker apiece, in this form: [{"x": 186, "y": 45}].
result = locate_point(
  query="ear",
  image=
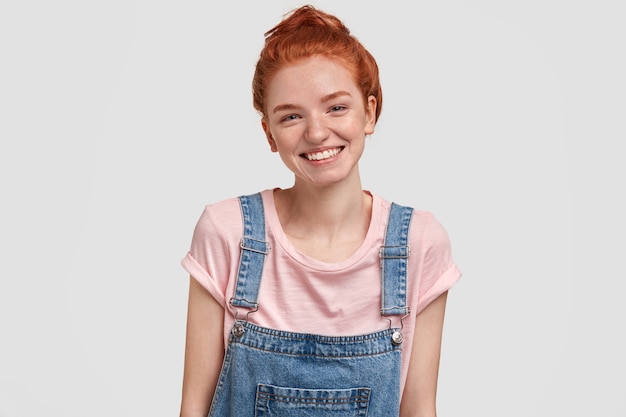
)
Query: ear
[
  {"x": 370, "y": 115},
  {"x": 268, "y": 135}
]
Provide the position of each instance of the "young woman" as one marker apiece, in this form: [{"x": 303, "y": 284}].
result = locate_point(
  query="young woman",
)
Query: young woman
[{"x": 322, "y": 298}]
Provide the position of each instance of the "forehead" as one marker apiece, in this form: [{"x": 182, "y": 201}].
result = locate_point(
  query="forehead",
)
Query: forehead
[{"x": 316, "y": 75}]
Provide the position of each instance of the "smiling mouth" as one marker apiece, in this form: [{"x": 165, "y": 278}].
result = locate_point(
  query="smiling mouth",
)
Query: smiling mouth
[{"x": 320, "y": 156}]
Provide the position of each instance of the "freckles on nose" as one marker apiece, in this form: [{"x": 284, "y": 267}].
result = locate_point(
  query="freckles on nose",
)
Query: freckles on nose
[{"x": 316, "y": 130}]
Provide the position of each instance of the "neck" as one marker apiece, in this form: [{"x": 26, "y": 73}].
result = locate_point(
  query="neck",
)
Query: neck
[{"x": 328, "y": 214}]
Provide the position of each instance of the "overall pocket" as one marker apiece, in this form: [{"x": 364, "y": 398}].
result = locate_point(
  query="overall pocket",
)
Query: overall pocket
[{"x": 273, "y": 401}]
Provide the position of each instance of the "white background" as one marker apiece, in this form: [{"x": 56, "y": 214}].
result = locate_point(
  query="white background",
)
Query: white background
[{"x": 120, "y": 119}]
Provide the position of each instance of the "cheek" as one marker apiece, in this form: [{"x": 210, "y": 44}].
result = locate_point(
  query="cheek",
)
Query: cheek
[
  {"x": 285, "y": 140},
  {"x": 359, "y": 128}
]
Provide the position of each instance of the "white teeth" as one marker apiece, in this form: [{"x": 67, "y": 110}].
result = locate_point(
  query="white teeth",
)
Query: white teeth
[{"x": 318, "y": 156}]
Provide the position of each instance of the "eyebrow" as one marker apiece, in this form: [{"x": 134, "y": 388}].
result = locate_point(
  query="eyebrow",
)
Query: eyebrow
[
  {"x": 324, "y": 99},
  {"x": 335, "y": 95}
]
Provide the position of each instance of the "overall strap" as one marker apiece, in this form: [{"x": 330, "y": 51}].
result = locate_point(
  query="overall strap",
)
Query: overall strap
[
  {"x": 393, "y": 261},
  {"x": 254, "y": 247}
]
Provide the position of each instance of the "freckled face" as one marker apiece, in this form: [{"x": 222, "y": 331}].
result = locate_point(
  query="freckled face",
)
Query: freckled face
[{"x": 317, "y": 120}]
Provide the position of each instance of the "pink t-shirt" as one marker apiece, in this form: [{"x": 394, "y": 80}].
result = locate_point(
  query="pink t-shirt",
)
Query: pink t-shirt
[{"x": 304, "y": 295}]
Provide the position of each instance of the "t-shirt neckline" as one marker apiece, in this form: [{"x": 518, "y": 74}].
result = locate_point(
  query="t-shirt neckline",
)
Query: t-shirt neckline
[{"x": 276, "y": 231}]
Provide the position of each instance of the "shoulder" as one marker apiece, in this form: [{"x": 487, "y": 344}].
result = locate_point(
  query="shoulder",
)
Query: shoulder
[
  {"x": 225, "y": 216},
  {"x": 224, "y": 209},
  {"x": 221, "y": 219},
  {"x": 425, "y": 228}
]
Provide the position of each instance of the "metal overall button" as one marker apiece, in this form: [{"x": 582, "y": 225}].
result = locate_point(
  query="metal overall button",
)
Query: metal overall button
[
  {"x": 238, "y": 330},
  {"x": 397, "y": 338}
]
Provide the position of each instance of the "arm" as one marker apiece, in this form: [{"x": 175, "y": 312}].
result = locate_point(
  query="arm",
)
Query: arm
[
  {"x": 204, "y": 351},
  {"x": 420, "y": 391}
]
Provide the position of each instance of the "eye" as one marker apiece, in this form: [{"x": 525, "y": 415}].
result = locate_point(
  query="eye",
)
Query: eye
[
  {"x": 337, "y": 108},
  {"x": 289, "y": 117}
]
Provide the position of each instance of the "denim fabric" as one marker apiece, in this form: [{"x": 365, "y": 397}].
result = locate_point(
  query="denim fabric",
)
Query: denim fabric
[
  {"x": 274, "y": 373},
  {"x": 277, "y": 373},
  {"x": 393, "y": 261},
  {"x": 273, "y": 400},
  {"x": 253, "y": 251}
]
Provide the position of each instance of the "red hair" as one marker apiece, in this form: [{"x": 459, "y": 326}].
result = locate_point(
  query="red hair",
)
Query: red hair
[{"x": 305, "y": 32}]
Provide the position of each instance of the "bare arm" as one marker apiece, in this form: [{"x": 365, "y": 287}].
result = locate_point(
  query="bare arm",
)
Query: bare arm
[
  {"x": 204, "y": 351},
  {"x": 420, "y": 391}
]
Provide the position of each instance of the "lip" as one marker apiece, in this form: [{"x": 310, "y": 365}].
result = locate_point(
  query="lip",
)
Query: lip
[{"x": 322, "y": 154}]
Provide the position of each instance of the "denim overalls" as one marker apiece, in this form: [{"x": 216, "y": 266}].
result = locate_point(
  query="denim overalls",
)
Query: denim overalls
[{"x": 276, "y": 373}]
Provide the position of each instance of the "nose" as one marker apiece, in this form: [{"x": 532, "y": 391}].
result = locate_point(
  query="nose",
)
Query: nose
[{"x": 316, "y": 130}]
